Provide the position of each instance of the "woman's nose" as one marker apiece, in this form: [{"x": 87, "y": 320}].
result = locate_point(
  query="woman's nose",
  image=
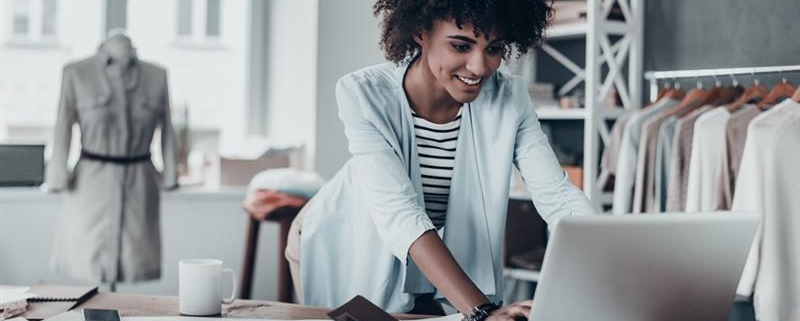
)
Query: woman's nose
[{"x": 479, "y": 65}]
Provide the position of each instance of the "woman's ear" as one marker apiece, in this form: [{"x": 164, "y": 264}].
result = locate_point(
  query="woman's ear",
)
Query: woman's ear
[{"x": 418, "y": 39}]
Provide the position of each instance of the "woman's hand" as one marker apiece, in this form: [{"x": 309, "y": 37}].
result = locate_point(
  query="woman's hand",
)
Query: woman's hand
[{"x": 515, "y": 311}]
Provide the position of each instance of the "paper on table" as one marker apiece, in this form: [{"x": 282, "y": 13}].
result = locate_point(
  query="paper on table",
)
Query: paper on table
[
  {"x": 11, "y": 293},
  {"x": 76, "y": 316}
]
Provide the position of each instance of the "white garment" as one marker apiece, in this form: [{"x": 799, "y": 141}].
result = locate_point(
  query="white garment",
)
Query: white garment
[
  {"x": 628, "y": 151},
  {"x": 707, "y": 144},
  {"x": 767, "y": 184}
]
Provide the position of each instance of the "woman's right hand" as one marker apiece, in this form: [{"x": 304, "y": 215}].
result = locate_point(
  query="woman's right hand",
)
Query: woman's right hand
[{"x": 512, "y": 312}]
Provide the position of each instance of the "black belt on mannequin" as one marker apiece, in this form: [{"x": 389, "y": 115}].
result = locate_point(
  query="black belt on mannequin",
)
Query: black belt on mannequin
[{"x": 121, "y": 160}]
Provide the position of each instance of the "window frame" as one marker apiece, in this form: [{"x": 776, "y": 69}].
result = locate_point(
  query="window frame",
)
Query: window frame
[
  {"x": 198, "y": 24},
  {"x": 35, "y": 23}
]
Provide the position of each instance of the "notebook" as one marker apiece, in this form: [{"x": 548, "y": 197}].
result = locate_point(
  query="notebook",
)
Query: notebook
[
  {"x": 52, "y": 292},
  {"x": 52, "y": 299}
]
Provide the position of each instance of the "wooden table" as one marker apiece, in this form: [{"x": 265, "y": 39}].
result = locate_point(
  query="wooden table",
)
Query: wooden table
[{"x": 149, "y": 305}]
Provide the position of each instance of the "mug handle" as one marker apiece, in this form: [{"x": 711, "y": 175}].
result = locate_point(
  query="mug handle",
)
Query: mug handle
[{"x": 232, "y": 298}]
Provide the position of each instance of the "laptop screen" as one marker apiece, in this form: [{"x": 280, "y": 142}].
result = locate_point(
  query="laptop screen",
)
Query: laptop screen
[{"x": 21, "y": 165}]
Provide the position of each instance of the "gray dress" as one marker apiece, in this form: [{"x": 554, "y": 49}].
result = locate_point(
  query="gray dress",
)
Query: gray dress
[{"x": 109, "y": 229}]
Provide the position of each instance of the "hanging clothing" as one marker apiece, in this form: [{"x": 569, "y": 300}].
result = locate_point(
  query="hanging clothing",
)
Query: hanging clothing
[
  {"x": 735, "y": 136},
  {"x": 709, "y": 137},
  {"x": 645, "y": 165},
  {"x": 658, "y": 189},
  {"x": 610, "y": 156},
  {"x": 679, "y": 161},
  {"x": 629, "y": 147},
  {"x": 109, "y": 228},
  {"x": 361, "y": 224},
  {"x": 767, "y": 185}
]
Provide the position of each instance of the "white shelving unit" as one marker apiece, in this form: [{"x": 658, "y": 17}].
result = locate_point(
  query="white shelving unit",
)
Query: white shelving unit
[
  {"x": 612, "y": 45},
  {"x": 521, "y": 274},
  {"x": 554, "y": 113}
]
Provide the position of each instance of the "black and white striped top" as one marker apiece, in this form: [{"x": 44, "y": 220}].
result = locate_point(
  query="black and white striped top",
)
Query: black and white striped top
[{"x": 436, "y": 145}]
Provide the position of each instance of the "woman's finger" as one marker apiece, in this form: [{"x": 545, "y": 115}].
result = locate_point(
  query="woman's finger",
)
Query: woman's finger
[
  {"x": 527, "y": 303},
  {"x": 518, "y": 311}
]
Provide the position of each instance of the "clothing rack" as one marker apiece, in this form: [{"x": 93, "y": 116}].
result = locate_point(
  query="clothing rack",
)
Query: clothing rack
[{"x": 654, "y": 76}]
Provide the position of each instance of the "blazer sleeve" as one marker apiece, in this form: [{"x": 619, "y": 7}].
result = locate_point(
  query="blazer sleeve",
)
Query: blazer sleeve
[
  {"x": 388, "y": 193},
  {"x": 553, "y": 195},
  {"x": 168, "y": 141},
  {"x": 57, "y": 173}
]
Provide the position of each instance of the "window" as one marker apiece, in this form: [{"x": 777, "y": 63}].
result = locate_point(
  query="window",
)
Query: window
[
  {"x": 49, "y": 17},
  {"x": 32, "y": 21},
  {"x": 206, "y": 79},
  {"x": 185, "y": 18},
  {"x": 32, "y": 61},
  {"x": 22, "y": 14},
  {"x": 198, "y": 21},
  {"x": 212, "y": 18}
]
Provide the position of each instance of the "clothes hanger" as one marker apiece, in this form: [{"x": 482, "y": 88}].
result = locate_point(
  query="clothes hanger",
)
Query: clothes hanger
[
  {"x": 781, "y": 91},
  {"x": 693, "y": 99},
  {"x": 716, "y": 93},
  {"x": 663, "y": 90},
  {"x": 756, "y": 92},
  {"x": 796, "y": 96},
  {"x": 731, "y": 93},
  {"x": 676, "y": 92}
]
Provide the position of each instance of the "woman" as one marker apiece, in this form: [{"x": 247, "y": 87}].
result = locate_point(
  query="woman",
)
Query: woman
[{"x": 419, "y": 211}]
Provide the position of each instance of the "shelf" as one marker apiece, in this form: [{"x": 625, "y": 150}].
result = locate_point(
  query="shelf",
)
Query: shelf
[
  {"x": 521, "y": 274},
  {"x": 579, "y": 29},
  {"x": 555, "y": 113}
]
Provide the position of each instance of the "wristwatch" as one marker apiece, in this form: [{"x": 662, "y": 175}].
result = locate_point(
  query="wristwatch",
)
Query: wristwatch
[{"x": 481, "y": 312}]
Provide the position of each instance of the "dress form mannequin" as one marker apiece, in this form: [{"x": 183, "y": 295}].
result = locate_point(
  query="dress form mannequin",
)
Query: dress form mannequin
[
  {"x": 119, "y": 102},
  {"x": 120, "y": 48}
]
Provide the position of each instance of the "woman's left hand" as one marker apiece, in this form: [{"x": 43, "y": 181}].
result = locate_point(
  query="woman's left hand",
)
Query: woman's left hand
[{"x": 512, "y": 312}]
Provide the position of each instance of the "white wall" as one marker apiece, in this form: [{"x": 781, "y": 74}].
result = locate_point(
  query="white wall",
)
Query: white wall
[
  {"x": 208, "y": 74},
  {"x": 194, "y": 224},
  {"x": 31, "y": 71},
  {"x": 292, "y": 70},
  {"x": 348, "y": 41}
]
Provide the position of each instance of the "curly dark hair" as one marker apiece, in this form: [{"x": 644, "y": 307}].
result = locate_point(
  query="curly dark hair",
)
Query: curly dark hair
[{"x": 520, "y": 23}]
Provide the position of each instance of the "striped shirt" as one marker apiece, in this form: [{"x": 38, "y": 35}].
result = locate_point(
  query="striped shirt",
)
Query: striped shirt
[{"x": 436, "y": 145}]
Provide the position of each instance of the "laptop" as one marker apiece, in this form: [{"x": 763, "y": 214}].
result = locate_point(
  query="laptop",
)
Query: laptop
[
  {"x": 21, "y": 165},
  {"x": 654, "y": 267}
]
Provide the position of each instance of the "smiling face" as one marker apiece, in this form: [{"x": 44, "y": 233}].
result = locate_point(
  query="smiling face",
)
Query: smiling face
[{"x": 459, "y": 61}]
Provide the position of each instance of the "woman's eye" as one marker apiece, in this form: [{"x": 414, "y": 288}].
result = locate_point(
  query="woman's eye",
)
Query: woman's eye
[
  {"x": 461, "y": 48},
  {"x": 494, "y": 50}
]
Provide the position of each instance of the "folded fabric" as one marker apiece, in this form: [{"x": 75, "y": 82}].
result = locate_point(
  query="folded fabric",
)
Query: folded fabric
[{"x": 287, "y": 180}]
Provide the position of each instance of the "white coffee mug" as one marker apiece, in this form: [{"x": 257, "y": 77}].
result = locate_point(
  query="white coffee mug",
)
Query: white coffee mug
[{"x": 200, "y": 286}]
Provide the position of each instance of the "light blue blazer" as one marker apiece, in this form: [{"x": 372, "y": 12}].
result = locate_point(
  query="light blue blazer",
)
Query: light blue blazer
[{"x": 357, "y": 230}]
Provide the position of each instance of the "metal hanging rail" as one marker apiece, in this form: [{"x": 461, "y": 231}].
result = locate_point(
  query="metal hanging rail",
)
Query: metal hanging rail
[{"x": 654, "y": 76}]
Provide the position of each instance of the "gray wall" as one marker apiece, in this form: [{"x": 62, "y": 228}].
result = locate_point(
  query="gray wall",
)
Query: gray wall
[
  {"x": 695, "y": 34},
  {"x": 348, "y": 41}
]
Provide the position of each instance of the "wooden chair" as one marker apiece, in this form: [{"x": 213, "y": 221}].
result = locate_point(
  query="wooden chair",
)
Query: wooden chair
[{"x": 283, "y": 216}]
